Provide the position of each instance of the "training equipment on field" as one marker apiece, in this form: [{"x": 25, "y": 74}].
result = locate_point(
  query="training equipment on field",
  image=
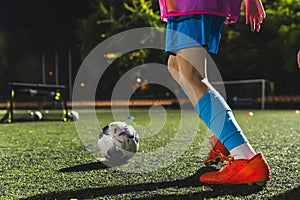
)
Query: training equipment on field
[
  {"x": 217, "y": 152},
  {"x": 73, "y": 115},
  {"x": 250, "y": 114},
  {"x": 36, "y": 116},
  {"x": 118, "y": 142},
  {"x": 35, "y": 102},
  {"x": 253, "y": 171}
]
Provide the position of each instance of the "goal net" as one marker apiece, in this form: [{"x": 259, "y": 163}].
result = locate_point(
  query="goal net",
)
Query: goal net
[
  {"x": 35, "y": 102},
  {"x": 246, "y": 94}
]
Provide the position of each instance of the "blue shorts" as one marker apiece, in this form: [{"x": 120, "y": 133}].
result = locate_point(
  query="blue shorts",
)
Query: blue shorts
[{"x": 192, "y": 31}]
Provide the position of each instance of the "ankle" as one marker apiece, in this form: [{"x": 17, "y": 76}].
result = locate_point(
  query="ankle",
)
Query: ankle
[{"x": 243, "y": 151}]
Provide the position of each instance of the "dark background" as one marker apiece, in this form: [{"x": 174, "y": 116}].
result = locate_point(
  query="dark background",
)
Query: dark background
[
  {"x": 49, "y": 23},
  {"x": 34, "y": 28}
]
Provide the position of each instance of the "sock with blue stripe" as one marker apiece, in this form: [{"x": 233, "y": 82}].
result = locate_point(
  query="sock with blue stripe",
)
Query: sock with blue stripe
[{"x": 218, "y": 116}]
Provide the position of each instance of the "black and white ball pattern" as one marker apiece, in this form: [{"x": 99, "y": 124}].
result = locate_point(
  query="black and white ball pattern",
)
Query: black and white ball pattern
[
  {"x": 73, "y": 115},
  {"x": 36, "y": 116},
  {"x": 118, "y": 142}
]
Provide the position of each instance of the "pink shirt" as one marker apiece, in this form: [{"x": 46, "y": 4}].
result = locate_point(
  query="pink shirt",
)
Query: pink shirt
[{"x": 225, "y": 8}]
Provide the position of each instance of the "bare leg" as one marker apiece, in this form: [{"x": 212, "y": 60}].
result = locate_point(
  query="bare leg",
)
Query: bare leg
[
  {"x": 191, "y": 66},
  {"x": 173, "y": 68}
]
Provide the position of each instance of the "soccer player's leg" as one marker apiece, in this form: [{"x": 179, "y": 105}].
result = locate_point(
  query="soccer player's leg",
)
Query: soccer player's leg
[
  {"x": 246, "y": 166},
  {"x": 193, "y": 71},
  {"x": 173, "y": 68}
]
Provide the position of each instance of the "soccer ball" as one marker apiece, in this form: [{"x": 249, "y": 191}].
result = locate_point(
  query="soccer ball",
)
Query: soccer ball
[
  {"x": 73, "y": 115},
  {"x": 118, "y": 142},
  {"x": 36, "y": 116}
]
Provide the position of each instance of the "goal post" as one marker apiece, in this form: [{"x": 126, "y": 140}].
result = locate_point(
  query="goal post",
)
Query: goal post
[
  {"x": 243, "y": 93},
  {"x": 28, "y": 102}
]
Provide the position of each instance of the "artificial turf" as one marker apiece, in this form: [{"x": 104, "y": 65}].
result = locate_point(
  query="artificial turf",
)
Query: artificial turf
[{"x": 47, "y": 160}]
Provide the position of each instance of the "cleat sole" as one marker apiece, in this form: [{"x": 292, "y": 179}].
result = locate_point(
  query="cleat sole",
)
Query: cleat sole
[
  {"x": 215, "y": 161},
  {"x": 261, "y": 182}
]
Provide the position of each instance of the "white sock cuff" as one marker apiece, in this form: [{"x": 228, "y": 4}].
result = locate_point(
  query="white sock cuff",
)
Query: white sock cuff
[{"x": 243, "y": 151}]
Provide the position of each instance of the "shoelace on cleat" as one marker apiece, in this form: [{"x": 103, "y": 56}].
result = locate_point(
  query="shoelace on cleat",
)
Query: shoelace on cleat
[{"x": 229, "y": 158}]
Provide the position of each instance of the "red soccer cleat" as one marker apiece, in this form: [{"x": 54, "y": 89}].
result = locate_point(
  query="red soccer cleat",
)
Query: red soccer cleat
[
  {"x": 256, "y": 170},
  {"x": 217, "y": 152}
]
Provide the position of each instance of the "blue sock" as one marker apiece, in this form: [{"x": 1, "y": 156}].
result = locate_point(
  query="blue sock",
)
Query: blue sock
[{"x": 218, "y": 116}]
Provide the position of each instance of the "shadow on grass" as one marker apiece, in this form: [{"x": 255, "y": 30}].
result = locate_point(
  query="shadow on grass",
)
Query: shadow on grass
[
  {"x": 85, "y": 167},
  {"x": 192, "y": 181}
]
